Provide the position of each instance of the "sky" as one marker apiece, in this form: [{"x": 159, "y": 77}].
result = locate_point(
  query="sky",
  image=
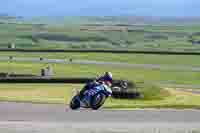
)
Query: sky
[{"x": 181, "y": 8}]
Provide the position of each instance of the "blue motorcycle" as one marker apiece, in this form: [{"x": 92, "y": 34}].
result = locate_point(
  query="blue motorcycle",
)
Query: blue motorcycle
[{"x": 93, "y": 98}]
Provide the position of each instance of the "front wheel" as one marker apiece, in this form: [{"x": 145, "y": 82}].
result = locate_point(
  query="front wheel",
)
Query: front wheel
[
  {"x": 75, "y": 103},
  {"x": 97, "y": 101}
]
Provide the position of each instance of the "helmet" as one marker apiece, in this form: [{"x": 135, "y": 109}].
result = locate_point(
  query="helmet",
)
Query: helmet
[{"x": 108, "y": 76}]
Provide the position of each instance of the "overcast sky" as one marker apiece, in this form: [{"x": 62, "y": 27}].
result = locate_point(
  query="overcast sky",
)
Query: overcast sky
[{"x": 100, "y": 7}]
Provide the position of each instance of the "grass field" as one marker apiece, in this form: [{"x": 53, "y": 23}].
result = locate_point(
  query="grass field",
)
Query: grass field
[
  {"x": 189, "y": 60},
  {"x": 113, "y": 36},
  {"x": 176, "y": 100},
  {"x": 40, "y": 93},
  {"x": 62, "y": 93},
  {"x": 75, "y": 70},
  {"x": 81, "y": 36}
]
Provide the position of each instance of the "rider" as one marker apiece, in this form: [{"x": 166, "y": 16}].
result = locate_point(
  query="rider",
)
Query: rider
[{"x": 106, "y": 79}]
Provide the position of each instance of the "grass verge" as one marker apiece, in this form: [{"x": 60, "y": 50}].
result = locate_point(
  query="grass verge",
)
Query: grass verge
[
  {"x": 37, "y": 93},
  {"x": 62, "y": 93},
  {"x": 176, "y": 100},
  {"x": 76, "y": 70},
  {"x": 192, "y": 60}
]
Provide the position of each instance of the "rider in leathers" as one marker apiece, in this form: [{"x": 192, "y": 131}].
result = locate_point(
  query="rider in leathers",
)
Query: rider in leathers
[{"x": 106, "y": 79}]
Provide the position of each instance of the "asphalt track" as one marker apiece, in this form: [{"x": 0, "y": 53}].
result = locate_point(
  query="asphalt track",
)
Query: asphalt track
[
  {"x": 52, "y": 118},
  {"x": 114, "y": 64}
]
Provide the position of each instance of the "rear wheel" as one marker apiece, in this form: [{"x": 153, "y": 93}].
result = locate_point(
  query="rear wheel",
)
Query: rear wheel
[
  {"x": 75, "y": 103},
  {"x": 97, "y": 101}
]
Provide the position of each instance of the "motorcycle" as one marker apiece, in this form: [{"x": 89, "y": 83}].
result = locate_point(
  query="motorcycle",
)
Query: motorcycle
[{"x": 93, "y": 98}]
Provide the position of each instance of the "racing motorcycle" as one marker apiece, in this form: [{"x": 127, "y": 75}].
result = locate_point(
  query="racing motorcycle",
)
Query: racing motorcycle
[{"x": 93, "y": 98}]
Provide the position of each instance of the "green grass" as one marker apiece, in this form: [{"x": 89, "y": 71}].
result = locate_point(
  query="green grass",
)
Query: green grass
[
  {"x": 178, "y": 36},
  {"x": 75, "y": 70},
  {"x": 21, "y": 34},
  {"x": 62, "y": 93},
  {"x": 59, "y": 93},
  {"x": 189, "y": 60},
  {"x": 176, "y": 100},
  {"x": 151, "y": 91},
  {"x": 37, "y": 93}
]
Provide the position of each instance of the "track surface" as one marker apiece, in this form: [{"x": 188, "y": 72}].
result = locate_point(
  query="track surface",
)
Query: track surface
[
  {"x": 51, "y": 118},
  {"x": 52, "y": 112}
]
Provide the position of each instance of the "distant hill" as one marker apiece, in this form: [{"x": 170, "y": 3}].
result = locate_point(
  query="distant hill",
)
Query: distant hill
[
  {"x": 100, "y": 20},
  {"x": 129, "y": 20},
  {"x": 6, "y": 16}
]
